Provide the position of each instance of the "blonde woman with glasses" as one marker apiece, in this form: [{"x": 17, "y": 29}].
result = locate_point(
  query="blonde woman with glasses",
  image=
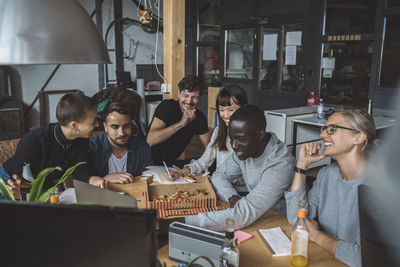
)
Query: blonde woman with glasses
[{"x": 332, "y": 201}]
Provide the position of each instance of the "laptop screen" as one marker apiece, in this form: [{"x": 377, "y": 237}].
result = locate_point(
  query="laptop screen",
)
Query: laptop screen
[
  {"x": 86, "y": 193},
  {"x": 37, "y": 234}
]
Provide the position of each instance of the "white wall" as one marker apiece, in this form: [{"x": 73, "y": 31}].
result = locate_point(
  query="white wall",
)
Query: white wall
[{"x": 26, "y": 81}]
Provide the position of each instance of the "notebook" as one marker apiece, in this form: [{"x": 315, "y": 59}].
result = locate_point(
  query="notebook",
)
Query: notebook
[{"x": 89, "y": 194}]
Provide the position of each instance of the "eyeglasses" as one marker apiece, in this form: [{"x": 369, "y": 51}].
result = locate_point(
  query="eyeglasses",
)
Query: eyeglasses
[{"x": 331, "y": 128}]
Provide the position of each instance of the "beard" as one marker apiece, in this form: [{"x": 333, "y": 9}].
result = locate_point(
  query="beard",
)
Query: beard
[{"x": 115, "y": 142}]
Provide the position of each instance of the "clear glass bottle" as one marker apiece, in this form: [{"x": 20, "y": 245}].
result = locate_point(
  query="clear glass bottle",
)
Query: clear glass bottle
[
  {"x": 229, "y": 256},
  {"x": 53, "y": 199},
  {"x": 300, "y": 237}
]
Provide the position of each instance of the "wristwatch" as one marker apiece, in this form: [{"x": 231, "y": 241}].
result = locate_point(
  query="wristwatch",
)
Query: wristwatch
[{"x": 299, "y": 170}]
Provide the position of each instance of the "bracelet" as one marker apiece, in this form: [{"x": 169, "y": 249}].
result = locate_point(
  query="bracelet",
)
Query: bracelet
[
  {"x": 173, "y": 127},
  {"x": 299, "y": 170}
]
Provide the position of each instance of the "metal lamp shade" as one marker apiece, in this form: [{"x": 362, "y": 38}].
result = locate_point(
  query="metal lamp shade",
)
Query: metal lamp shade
[{"x": 48, "y": 32}]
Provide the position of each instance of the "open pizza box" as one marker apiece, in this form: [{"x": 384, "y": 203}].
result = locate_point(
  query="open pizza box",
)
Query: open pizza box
[{"x": 162, "y": 197}]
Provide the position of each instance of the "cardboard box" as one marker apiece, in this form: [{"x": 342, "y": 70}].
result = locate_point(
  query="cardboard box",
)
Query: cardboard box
[{"x": 144, "y": 192}]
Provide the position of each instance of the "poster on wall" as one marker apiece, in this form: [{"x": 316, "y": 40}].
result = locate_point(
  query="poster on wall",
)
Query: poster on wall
[
  {"x": 293, "y": 38},
  {"x": 269, "y": 46},
  {"x": 290, "y": 55}
]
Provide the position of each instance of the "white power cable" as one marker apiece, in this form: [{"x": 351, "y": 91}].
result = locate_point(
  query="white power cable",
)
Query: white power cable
[{"x": 158, "y": 29}]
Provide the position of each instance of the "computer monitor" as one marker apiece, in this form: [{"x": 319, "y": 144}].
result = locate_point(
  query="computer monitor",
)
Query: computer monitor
[
  {"x": 37, "y": 234},
  {"x": 378, "y": 229}
]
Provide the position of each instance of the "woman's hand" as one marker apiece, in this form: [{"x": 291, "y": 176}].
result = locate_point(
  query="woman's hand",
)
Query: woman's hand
[
  {"x": 314, "y": 229},
  {"x": 174, "y": 175},
  {"x": 179, "y": 173},
  {"x": 309, "y": 154}
]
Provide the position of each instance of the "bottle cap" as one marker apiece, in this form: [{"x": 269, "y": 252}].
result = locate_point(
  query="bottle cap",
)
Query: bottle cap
[
  {"x": 301, "y": 213},
  {"x": 230, "y": 234}
]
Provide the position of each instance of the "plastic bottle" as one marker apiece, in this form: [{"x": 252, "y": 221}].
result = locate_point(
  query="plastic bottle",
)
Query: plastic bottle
[
  {"x": 229, "y": 256},
  {"x": 300, "y": 237},
  {"x": 312, "y": 99},
  {"x": 320, "y": 109}
]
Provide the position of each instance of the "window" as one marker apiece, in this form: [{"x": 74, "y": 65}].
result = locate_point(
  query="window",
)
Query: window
[
  {"x": 282, "y": 58},
  {"x": 207, "y": 41},
  {"x": 393, "y": 3},
  {"x": 390, "y": 73},
  {"x": 239, "y": 53}
]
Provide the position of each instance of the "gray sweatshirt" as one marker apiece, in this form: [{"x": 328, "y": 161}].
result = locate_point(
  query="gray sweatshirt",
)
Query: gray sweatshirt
[
  {"x": 333, "y": 202},
  {"x": 210, "y": 154},
  {"x": 266, "y": 177}
]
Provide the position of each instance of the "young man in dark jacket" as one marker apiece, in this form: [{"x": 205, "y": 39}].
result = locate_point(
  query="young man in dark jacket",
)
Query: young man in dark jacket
[{"x": 119, "y": 154}]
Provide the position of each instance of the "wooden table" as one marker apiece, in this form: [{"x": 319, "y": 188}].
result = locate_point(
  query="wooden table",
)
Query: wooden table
[{"x": 255, "y": 252}]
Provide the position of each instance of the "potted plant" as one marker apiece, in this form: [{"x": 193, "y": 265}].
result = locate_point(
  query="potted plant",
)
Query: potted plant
[{"x": 35, "y": 193}]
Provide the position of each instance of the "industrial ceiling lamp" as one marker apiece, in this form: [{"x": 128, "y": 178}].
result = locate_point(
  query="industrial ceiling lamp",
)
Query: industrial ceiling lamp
[{"x": 48, "y": 32}]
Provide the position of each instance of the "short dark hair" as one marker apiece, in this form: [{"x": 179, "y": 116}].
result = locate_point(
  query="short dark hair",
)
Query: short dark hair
[
  {"x": 73, "y": 107},
  {"x": 121, "y": 100},
  {"x": 252, "y": 115},
  {"x": 190, "y": 83},
  {"x": 227, "y": 95}
]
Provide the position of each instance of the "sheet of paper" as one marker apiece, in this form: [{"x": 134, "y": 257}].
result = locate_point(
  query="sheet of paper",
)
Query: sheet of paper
[
  {"x": 277, "y": 240},
  {"x": 68, "y": 196},
  {"x": 327, "y": 73},
  {"x": 328, "y": 63},
  {"x": 269, "y": 46},
  {"x": 159, "y": 175},
  {"x": 290, "y": 55},
  {"x": 293, "y": 38},
  {"x": 242, "y": 236}
]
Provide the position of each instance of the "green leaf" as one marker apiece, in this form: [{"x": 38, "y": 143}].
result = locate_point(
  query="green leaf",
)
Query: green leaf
[
  {"x": 37, "y": 185},
  {"x": 46, "y": 195},
  {"x": 5, "y": 191},
  {"x": 200, "y": 257}
]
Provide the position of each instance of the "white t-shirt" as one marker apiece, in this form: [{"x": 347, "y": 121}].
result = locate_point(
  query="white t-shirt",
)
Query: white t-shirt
[{"x": 117, "y": 164}]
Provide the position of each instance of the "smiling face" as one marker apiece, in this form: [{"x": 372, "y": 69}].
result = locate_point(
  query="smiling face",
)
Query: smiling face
[
  {"x": 341, "y": 141},
  {"x": 188, "y": 100},
  {"x": 86, "y": 126},
  {"x": 118, "y": 128},
  {"x": 226, "y": 111},
  {"x": 245, "y": 140}
]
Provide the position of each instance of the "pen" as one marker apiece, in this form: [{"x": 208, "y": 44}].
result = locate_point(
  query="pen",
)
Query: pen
[
  {"x": 176, "y": 167},
  {"x": 165, "y": 165}
]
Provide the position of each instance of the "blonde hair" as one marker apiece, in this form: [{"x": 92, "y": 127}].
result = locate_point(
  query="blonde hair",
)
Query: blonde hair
[{"x": 361, "y": 121}]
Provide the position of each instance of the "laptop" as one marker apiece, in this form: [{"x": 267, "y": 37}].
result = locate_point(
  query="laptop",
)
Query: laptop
[{"x": 89, "y": 194}]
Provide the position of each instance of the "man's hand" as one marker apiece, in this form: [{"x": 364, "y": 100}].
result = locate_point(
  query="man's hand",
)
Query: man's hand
[
  {"x": 98, "y": 181},
  {"x": 233, "y": 200},
  {"x": 309, "y": 154},
  {"x": 188, "y": 116},
  {"x": 119, "y": 178},
  {"x": 14, "y": 184}
]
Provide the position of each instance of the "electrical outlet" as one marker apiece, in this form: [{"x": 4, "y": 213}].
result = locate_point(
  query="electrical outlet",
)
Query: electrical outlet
[{"x": 165, "y": 87}]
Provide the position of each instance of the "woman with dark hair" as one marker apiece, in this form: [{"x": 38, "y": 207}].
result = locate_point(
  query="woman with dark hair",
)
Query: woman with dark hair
[{"x": 229, "y": 99}]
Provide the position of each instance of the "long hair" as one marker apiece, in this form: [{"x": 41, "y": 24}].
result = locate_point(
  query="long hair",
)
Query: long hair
[{"x": 226, "y": 97}]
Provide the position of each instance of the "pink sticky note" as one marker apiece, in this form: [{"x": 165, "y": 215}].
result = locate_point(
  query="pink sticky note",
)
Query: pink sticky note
[{"x": 242, "y": 236}]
